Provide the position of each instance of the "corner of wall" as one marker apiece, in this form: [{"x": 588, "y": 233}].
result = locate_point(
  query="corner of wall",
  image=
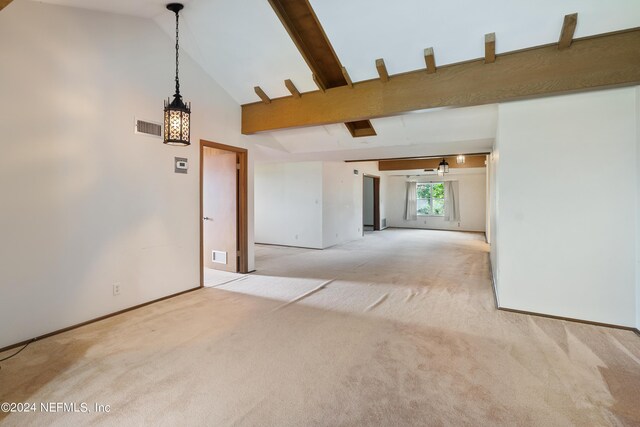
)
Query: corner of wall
[
  {"x": 638, "y": 207},
  {"x": 493, "y": 159}
]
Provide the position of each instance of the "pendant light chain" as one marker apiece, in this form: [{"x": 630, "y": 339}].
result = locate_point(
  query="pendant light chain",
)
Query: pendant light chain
[{"x": 177, "y": 54}]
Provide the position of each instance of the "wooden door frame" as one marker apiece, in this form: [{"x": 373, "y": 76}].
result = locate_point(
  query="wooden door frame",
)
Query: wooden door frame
[
  {"x": 376, "y": 201},
  {"x": 242, "y": 206}
]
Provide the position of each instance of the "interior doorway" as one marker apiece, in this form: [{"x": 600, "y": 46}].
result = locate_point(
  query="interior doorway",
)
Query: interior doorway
[
  {"x": 223, "y": 209},
  {"x": 370, "y": 203}
]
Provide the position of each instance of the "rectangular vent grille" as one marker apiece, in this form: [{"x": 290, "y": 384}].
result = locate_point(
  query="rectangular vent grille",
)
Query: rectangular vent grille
[
  {"x": 148, "y": 128},
  {"x": 219, "y": 257},
  {"x": 384, "y": 222}
]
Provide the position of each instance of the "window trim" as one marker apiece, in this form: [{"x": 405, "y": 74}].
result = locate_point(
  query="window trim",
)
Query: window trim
[{"x": 430, "y": 215}]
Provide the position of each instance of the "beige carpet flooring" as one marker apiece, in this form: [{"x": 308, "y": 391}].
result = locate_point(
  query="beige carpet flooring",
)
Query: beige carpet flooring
[
  {"x": 214, "y": 278},
  {"x": 396, "y": 329}
]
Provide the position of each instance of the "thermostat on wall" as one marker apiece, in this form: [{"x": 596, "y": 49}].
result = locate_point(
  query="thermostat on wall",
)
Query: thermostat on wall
[{"x": 181, "y": 165}]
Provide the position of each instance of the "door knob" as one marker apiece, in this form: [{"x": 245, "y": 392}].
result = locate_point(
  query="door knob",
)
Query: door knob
[{"x": 206, "y": 218}]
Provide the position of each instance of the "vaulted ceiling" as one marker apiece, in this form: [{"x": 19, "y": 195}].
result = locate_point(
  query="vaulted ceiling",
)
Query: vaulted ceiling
[{"x": 242, "y": 44}]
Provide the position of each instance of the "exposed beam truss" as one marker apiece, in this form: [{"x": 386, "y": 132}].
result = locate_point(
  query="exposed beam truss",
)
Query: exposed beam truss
[
  {"x": 382, "y": 70},
  {"x": 292, "y": 88},
  {"x": 262, "y": 95},
  {"x": 607, "y": 60},
  {"x": 347, "y": 77},
  {"x": 413, "y": 164},
  {"x": 430, "y": 60},
  {"x": 301, "y": 22},
  {"x": 568, "y": 28},
  {"x": 490, "y": 48}
]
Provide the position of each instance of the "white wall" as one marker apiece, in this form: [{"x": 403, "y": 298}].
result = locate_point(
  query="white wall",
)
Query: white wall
[
  {"x": 487, "y": 219},
  {"x": 567, "y": 184},
  {"x": 343, "y": 200},
  {"x": 288, "y": 204},
  {"x": 472, "y": 203},
  {"x": 492, "y": 169},
  {"x": 87, "y": 203},
  {"x": 321, "y": 202},
  {"x": 342, "y": 207},
  {"x": 368, "y": 204}
]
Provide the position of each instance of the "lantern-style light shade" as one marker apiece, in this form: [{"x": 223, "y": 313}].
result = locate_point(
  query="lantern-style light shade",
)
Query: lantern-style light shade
[
  {"x": 177, "y": 114},
  {"x": 443, "y": 166},
  {"x": 177, "y": 122},
  {"x": 460, "y": 159}
]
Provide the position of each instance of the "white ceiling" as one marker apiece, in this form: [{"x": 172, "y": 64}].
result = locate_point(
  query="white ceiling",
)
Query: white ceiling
[
  {"x": 242, "y": 44},
  {"x": 275, "y": 152},
  {"x": 398, "y": 31},
  {"x": 140, "y": 8},
  {"x": 436, "y": 129}
]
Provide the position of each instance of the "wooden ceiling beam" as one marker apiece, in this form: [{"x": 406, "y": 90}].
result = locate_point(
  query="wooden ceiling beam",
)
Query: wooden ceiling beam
[
  {"x": 568, "y": 29},
  {"x": 430, "y": 60},
  {"x": 490, "y": 48},
  {"x": 319, "y": 83},
  {"x": 292, "y": 88},
  {"x": 303, "y": 26},
  {"x": 361, "y": 129},
  {"x": 382, "y": 70},
  {"x": 608, "y": 60},
  {"x": 262, "y": 95},
  {"x": 412, "y": 164},
  {"x": 301, "y": 22},
  {"x": 347, "y": 77},
  {"x": 417, "y": 157},
  {"x": 4, "y": 3}
]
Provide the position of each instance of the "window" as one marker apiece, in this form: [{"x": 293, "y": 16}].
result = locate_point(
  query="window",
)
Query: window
[{"x": 430, "y": 198}]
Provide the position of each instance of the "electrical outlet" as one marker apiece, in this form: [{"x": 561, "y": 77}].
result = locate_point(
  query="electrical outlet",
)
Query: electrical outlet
[{"x": 116, "y": 289}]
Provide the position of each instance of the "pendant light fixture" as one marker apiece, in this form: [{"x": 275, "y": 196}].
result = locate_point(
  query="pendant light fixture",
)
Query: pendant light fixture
[
  {"x": 177, "y": 114},
  {"x": 443, "y": 167}
]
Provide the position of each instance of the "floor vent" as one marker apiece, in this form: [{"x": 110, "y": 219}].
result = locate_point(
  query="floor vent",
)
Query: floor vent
[
  {"x": 148, "y": 128},
  {"x": 384, "y": 222}
]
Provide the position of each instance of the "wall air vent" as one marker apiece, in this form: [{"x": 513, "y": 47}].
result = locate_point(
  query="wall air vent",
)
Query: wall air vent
[
  {"x": 144, "y": 127},
  {"x": 219, "y": 257}
]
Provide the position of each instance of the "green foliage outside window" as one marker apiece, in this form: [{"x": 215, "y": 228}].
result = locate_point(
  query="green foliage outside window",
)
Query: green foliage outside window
[{"x": 430, "y": 198}]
